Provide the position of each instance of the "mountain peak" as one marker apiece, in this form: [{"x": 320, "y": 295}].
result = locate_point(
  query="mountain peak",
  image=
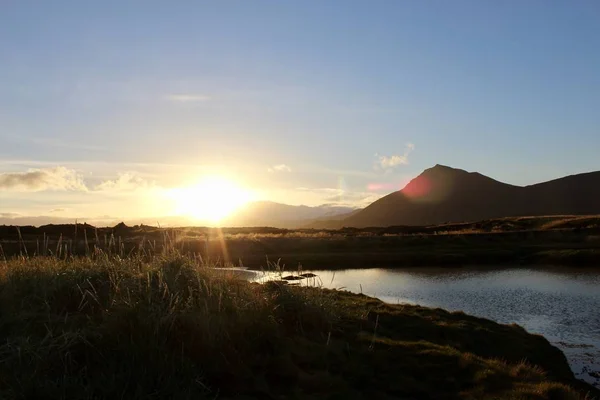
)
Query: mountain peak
[
  {"x": 434, "y": 183},
  {"x": 439, "y": 168},
  {"x": 443, "y": 194}
]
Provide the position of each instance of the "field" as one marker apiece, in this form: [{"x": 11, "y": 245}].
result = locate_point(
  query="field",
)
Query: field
[
  {"x": 169, "y": 326},
  {"x": 564, "y": 240}
]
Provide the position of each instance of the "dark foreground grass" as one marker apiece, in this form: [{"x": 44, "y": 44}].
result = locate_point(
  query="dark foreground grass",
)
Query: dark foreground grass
[{"x": 111, "y": 328}]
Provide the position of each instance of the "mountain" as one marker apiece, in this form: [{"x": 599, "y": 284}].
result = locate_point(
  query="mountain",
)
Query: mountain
[
  {"x": 267, "y": 213},
  {"x": 443, "y": 194},
  {"x": 103, "y": 221},
  {"x": 254, "y": 214},
  {"x": 332, "y": 222},
  {"x": 438, "y": 195}
]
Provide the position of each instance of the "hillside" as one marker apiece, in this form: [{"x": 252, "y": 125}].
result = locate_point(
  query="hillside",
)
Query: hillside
[{"x": 443, "y": 194}]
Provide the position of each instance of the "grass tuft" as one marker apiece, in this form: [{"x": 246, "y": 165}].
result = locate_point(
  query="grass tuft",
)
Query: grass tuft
[{"x": 107, "y": 326}]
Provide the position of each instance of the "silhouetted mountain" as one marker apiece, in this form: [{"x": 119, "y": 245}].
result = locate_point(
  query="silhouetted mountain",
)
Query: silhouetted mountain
[
  {"x": 332, "y": 222},
  {"x": 255, "y": 214},
  {"x": 267, "y": 213},
  {"x": 442, "y": 194}
]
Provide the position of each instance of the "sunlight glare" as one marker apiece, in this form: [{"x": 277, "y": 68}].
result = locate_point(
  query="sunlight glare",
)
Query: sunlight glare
[{"x": 211, "y": 200}]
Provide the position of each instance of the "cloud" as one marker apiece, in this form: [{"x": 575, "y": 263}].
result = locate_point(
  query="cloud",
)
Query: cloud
[
  {"x": 57, "y": 210},
  {"x": 35, "y": 180},
  {"x": 390, "y": 162},
  {"x": 65, "y": 179},
  {"x": 187, "y": 98},
  {"x": 280, "y": 168},
  {"x": 9, "y": 215},
  {"x": 355, "y": 199},
  {"x": 126, "y": 181},
  {"x": 341, "y": 197}
]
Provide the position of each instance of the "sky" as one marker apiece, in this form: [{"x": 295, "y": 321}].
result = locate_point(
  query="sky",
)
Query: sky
[{"x": 108, "y": 107}]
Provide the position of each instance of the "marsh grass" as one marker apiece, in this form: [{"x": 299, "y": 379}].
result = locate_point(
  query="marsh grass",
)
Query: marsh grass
[
  {"x": 564, "y": 240},
  {"x": 164, "y": 325},
  {"x": 107, "y": 326}
]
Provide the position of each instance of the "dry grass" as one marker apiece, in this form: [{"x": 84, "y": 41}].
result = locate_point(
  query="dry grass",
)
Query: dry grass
[{"x": 166, "y": 325}]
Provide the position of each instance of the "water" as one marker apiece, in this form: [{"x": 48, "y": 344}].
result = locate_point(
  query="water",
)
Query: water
[{"x": 561, "y": 304}]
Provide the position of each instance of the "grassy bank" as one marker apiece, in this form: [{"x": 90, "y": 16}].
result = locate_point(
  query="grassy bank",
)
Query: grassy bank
[
  {"x": 508, "y": 241},
  {"x": 105, "y": 327}
]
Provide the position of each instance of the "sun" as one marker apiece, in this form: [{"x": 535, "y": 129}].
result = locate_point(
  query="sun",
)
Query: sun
[{"x": 211, "y": 200}]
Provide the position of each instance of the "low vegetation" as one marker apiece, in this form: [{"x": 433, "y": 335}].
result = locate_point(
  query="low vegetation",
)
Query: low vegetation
[
  {"x": 169, "y": 326},
  {"x": 562, "y": 240}
]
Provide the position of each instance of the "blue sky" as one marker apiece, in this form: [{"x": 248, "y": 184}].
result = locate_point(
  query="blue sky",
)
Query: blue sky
[{"x": 349, "y": 98}]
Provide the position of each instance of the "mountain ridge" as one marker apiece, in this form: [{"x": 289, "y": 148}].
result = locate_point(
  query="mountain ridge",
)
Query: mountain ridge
[
  {"x": 254, "y": 214},
  {"x": 443, "y": 194},
  {"x": 438, "y": 195}
]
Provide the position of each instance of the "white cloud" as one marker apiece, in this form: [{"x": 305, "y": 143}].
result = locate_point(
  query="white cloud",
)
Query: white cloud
[
  {"x": 127, "y": 181},
  {"x": 65, "y": 179},
  {"x": 341, "y": 197},
  {"x": 9, "y": 215},
  {"x": 389, "y": 162},
  {"x": 35, "y": 180},
  {"x": 187, "y": 98},
  {"x": 280, "y": 168},
  {"x": 354, "y": 199}
]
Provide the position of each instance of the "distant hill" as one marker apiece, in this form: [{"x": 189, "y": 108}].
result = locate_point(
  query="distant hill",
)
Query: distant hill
[
  {"x": 332, "y": 222},
  {"x": 96, "y": 221},
  {"x": 267, "y": 213},
  {"x": 443, "y": 194},
  {"x": 254, "y": 214}
]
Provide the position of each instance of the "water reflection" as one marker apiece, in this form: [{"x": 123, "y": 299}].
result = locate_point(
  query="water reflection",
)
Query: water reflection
[{"x": 561, "y": 304}]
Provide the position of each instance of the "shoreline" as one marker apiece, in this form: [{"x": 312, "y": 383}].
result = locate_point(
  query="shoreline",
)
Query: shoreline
[
  {"x": 170, "y": 321},
  {"x": 583, "y": 352}
]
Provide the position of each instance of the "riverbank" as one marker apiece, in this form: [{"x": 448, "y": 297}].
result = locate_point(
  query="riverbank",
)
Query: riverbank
[
  {"x": 559, "y": 303},
  {"x": 169, "y": 327}
]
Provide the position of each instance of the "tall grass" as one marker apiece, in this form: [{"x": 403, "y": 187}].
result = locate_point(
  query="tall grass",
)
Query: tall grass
[
  {"x": 106, "y": 326},
  {"x": 163, "y": 325}
]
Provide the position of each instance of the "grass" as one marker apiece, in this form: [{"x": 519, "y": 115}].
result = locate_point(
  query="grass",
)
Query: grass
[
  {"x": 559, "y": 240},
  {"x": 167, "y": 326}
]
